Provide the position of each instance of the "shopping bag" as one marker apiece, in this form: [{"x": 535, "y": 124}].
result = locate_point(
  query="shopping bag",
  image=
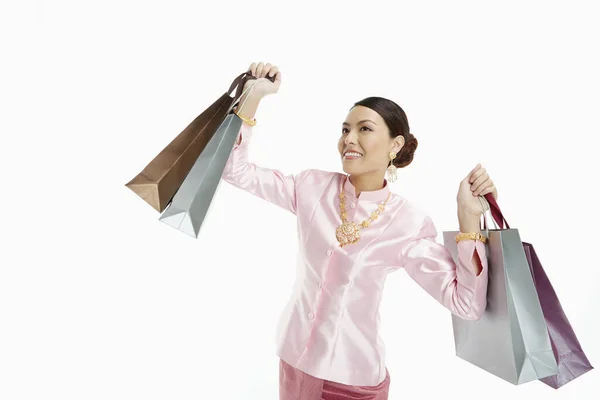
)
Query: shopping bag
[
  {"x": 161, "y": 178},
  {"x": 193, "y": 199},
  {"x": 572, "y": 361},
  {"x": 511, "y": 338}
]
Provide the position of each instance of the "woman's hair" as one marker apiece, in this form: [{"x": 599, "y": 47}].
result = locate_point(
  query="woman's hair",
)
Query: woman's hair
[{"x": 395, "y": 119}]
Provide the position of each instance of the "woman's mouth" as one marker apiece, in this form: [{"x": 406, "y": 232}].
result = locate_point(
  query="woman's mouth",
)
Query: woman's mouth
[{"x": 352, "y": 155}]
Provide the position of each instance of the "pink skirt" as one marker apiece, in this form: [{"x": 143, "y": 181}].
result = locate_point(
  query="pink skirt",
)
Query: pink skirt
[{"x": 298, "y": 385}]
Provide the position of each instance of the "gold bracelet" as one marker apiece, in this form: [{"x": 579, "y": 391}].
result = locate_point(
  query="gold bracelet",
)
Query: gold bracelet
[
  {"x": 470, "y": 236},
  {"x": 250, "y": 122}
]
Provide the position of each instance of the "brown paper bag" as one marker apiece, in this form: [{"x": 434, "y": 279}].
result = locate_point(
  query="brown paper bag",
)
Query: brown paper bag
[{"x": 162, "y": 177}]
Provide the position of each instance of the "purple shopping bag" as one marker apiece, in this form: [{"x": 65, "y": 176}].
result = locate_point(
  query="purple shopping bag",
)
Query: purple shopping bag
[{"x": 571, "y": 360}]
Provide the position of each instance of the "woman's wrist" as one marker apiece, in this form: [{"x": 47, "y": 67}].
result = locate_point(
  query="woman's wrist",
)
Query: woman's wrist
[
  {"x": 468, "y": 222},
  {"x": 248, "y": 105}
]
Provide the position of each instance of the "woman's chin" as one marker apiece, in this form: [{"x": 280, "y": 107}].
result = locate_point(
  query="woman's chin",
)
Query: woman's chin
[{"x": 350, "y": 168}]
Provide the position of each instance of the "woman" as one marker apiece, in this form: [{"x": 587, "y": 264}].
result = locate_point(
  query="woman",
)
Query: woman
[{"x": 353, "y": 231}]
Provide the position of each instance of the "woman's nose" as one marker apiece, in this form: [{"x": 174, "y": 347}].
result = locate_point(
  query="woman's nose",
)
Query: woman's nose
[{"x": 350, "y": 138}]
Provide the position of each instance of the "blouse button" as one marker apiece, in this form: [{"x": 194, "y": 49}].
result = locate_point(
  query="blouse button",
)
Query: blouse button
[
  {"x": 311, "y": 315},
  {"x": 320, "y": 285},
  {"x": 352, "y": 205},
  {"x": 328, "y": 253}
]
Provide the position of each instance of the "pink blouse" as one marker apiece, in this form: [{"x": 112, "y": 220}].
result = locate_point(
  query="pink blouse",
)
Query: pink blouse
[{"x": 330, "y": 326}]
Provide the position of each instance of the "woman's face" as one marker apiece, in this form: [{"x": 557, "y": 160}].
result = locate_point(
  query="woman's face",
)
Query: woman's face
[{"x": 365, "y": 143}]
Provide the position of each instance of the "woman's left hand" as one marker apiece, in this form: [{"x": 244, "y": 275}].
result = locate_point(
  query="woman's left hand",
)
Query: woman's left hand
[{"x": 477, "y": 183}]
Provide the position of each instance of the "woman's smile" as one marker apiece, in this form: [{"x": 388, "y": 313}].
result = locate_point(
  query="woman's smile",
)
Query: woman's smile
[{"x": 352, "y": 155}]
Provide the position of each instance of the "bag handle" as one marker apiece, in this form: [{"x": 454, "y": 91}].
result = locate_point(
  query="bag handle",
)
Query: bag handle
[
  {"x": 240, "y": 82},
  {"x": 485, "y": 206},
  {"x": 236, "y": 100},
  {"x": 497, "y": 215},
  {"x": 248, "y": 90},
  {"x": 237, "y": 81}
]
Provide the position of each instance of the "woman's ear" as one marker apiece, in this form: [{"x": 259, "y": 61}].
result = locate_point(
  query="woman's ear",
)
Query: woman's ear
[{"x": 398, "y": 144}]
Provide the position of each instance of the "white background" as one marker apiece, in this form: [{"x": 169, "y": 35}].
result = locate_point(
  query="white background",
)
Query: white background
[{"x": 100, "y": 300}]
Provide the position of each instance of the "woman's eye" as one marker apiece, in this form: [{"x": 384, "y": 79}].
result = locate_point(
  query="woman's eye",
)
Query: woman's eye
[{"x": 345, "y": 130}]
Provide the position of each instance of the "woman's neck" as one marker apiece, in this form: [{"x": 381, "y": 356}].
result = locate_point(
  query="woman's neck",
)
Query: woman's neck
[{"x": 367, "y": 182}]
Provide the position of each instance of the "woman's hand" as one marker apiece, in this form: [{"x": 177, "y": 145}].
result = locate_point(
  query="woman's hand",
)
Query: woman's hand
[
  {"x": 263, "y": 86},
  {"x": 477, "y": 183}
]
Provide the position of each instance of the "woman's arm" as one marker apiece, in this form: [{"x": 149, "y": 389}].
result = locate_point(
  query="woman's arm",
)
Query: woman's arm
[
  {"x": 457, "y": 286},
  {"x": 268, "y": 184}
]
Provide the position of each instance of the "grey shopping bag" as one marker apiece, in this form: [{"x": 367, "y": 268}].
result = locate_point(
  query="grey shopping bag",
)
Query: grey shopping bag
[
  {"x": 511, "y": 339},
  {"x": 191, "y": 203},
  {"x": 189, "y": 206}
]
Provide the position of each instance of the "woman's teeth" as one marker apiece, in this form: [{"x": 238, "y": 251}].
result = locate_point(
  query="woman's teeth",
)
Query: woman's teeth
[{"x": 352, "y": 154}]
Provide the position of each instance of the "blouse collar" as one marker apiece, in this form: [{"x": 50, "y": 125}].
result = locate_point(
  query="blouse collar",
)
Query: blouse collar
[{"x": 379, "y": 195}]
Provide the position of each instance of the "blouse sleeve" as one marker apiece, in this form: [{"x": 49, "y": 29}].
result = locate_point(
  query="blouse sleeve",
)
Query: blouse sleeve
[
  {"x": 455, "y": 285},
  {"x": 268, "y": 184}
]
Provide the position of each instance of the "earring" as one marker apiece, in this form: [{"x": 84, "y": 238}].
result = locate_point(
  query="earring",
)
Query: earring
[{"x": 392, "y": 170}]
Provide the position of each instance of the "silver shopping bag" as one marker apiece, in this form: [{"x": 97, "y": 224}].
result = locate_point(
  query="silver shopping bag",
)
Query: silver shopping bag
[
  {"x": 189, "y": 206},
  {"x": 511, "y": 339},
  {"x": 191, "y": 202}
]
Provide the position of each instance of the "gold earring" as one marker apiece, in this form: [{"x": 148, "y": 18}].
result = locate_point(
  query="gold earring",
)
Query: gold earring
[{"x": 392, "y": 170}]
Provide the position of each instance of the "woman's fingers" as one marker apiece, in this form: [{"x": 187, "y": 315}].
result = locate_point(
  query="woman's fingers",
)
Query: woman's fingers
[
  {"x": 478, "y": 181},
  {"x": 484, "y": 188},
  {"x": 259, "y": 69},
  {"x": 478, "y": 177},
  {"x": 265, "y": 70},
  {"x": 262, "y": 70},
  {"x": 470, "y": 175},
  {"x": 265, "y": 73},
  {"x": 273, "y": 71},
  {"x": 481, "y": 183},
  {"x": 476, "y": 174}
]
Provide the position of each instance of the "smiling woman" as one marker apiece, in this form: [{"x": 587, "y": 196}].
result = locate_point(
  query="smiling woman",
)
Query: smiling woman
[
  {"x": 375, "y": 136},
  {"x": 353, "y": 231}
]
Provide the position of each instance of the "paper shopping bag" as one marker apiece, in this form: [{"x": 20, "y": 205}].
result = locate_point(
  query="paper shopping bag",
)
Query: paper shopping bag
[
  {"x": 572, "y": 361},
  {"x": 161, "y": 178},
  {"x": 193, "y": 199},
  {"x": 511, "y": 339}
]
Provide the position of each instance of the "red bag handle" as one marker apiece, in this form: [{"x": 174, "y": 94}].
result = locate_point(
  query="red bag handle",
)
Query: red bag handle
[{"x": 496, "y": 213}]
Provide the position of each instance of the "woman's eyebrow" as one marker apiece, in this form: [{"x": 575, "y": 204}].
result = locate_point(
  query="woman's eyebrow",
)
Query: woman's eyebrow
[{"x": 360, "y": 122}]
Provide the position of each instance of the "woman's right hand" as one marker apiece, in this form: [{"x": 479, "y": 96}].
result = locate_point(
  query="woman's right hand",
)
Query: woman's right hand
[{"x": 263, "y": 86}]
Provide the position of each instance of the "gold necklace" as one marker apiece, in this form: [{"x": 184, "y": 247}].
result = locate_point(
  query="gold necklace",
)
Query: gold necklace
[{"x": 349, "y": 232}]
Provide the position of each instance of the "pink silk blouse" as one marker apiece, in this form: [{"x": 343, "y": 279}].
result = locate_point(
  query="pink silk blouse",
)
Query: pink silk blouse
[{"x": 330, "y": 326}]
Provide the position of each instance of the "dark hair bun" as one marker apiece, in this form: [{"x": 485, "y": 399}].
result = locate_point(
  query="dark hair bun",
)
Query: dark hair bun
[{"x": 407, "y": 152}]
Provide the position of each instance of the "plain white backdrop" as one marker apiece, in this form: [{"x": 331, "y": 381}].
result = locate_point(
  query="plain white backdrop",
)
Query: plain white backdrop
[{"x": 100, "y": 300}]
